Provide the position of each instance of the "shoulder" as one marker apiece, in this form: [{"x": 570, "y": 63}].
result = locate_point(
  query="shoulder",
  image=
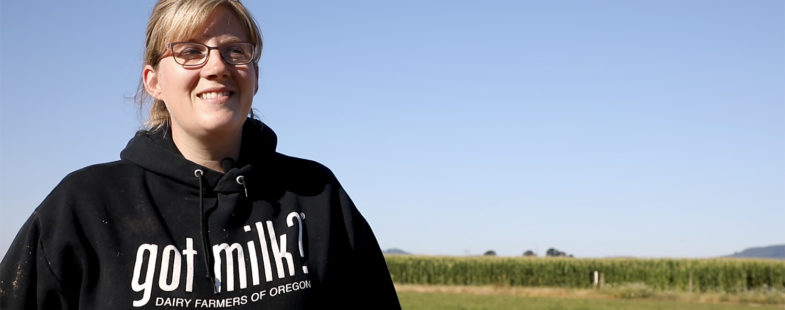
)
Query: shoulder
[
  {"x": 90, "y": 185},
  {"x": 303, "y": 166},
  {"x": 298, "y": 175},
  {"x": 103, "y": 174}
]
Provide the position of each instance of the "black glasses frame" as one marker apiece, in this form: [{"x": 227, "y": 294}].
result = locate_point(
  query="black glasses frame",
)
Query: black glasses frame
[{"x": 171, "y": 46}]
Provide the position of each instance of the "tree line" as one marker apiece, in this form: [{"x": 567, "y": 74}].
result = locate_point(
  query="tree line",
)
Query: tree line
[{"x": 552, "y": 252}]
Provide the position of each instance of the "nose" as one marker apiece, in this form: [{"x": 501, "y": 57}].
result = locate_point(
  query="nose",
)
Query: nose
[{"x": 215, "y": 66}]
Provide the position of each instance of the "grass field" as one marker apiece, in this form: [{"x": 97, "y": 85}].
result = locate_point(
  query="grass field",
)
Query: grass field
[
  {"x": 446, "y": 301},
  {"x": 475, "y": 298}
]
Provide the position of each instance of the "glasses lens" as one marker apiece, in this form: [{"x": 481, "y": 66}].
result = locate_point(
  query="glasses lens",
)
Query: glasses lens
[
  {"x": 195, "y": 54},
  {"x": 237, "y": 53},
  {"x": 189, "y": 54}
]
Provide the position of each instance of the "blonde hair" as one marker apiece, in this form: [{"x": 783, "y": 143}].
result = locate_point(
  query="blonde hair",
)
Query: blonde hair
[{"x": 179, "y": 20}]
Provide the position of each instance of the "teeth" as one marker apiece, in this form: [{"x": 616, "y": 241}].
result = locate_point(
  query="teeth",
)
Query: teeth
[{"x": 212, "y": 95}]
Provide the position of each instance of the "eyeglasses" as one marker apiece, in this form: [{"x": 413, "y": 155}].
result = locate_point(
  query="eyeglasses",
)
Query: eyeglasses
[{"x": 192, "y": 55}]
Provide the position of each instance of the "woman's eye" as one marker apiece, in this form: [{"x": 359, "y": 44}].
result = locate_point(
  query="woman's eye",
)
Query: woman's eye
[
  {"x": 236, "y": 50},
  {"x": 191, "y": 52}
]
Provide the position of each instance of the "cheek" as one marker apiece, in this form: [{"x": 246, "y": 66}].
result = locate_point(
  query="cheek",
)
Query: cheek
[
  {"x": 176, "y": 84},
  {"x": 252, "y": 84},
  {"x": 246, "y": 75},
  {"x": 248, "y": 80}
]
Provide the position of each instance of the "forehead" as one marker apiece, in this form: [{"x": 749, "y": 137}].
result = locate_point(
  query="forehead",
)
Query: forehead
[{"x": 222, "y": 23}]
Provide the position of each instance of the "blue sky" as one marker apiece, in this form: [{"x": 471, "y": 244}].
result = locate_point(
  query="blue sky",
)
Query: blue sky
[{"x": 600, "y": 128}]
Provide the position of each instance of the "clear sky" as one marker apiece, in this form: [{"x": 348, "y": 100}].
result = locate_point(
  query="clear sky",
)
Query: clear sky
[{"x": 600, "y": 128}]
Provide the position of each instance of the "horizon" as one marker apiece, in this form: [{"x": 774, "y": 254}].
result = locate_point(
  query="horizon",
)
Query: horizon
[{"x": 398, "y": 251}]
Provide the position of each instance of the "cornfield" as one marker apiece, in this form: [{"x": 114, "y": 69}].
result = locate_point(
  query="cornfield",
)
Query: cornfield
[{"x": 701, "y": 275}]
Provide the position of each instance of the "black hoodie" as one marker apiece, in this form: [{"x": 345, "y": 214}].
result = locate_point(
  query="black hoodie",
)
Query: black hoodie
[{"x": 281, "y": 233}]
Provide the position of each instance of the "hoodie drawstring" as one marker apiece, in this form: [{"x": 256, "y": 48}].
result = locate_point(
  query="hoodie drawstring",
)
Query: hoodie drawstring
[
  {"x": 203, "y": 223},
  {"x": 241, "y": 180}
]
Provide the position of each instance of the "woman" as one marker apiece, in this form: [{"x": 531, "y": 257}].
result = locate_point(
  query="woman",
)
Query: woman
[{"x": 200, "y": 211}]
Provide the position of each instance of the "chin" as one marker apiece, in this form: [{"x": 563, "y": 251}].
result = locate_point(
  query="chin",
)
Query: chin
[{"x": 222, "y": 123}]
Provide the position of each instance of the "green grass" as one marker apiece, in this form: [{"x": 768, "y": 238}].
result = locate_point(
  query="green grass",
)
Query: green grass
[{"x": 415, "y": 300}]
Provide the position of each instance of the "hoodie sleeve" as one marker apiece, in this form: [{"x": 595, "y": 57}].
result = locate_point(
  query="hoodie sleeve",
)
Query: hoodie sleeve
[
  {"x": 372, "y": 276},
  {"x": 26, "y": 280}
]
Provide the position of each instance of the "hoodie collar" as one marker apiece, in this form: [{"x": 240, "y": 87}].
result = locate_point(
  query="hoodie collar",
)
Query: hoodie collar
[{"x": 155, "y": 151}]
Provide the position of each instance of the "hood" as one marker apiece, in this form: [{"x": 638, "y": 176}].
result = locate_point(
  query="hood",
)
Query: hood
[{"x": 155, "y": 151}]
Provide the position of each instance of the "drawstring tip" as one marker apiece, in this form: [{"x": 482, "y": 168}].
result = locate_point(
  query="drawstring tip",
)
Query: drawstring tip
[
  {"x": 241, "y": 180},
  {"x": 216, "y": 284}
]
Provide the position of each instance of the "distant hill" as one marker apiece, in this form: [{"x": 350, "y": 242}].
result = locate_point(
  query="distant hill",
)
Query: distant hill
[
  {"x": 396, "y": 252},
  {"x": 772, "y": 251}
]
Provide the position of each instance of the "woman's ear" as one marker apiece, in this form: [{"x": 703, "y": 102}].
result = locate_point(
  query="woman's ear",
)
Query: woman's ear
[{"x": 150, "y": 80}]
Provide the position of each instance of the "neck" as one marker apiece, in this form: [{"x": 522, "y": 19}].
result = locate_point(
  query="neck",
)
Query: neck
[{"x": 208, "y": 151}]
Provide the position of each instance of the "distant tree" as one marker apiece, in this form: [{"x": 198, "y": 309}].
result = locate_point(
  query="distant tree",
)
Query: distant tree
[
  {"x": 556, "y": 253},
  {"x": 490, "y": 253},
  {"x": 529, "y": 253}
]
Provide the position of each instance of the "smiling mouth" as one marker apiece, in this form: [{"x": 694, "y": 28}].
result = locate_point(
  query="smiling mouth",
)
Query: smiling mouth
[{"x": 213, "y": 95}]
